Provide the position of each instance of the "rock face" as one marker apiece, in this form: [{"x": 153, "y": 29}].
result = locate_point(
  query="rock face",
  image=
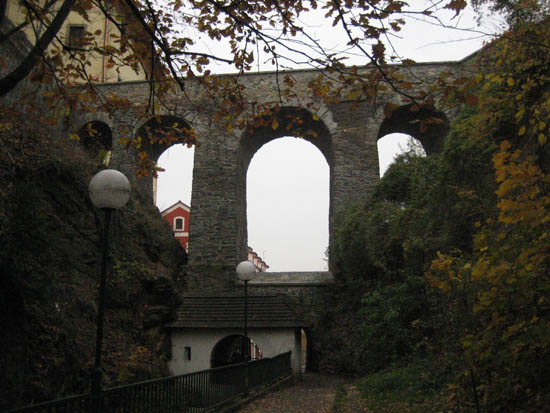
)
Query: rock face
[
  {"x": 49, "y": 270},
  {"x": 162, "y": 301}
]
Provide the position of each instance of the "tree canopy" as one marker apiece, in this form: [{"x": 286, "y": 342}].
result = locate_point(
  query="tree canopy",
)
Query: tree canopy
[
  {"x": 465, "y": 234},
  {"x": 279, "y": 29}
]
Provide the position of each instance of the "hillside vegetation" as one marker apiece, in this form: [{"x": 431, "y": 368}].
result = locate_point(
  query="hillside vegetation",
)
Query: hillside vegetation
[
  {"x": 49, "y": 271},
  {"x": 443, "y": 275}
]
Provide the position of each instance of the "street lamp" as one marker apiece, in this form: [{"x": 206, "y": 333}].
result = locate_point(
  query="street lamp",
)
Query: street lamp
[
  {"x": 246, "y": 272},
  {"x": 109, "y": 190}
]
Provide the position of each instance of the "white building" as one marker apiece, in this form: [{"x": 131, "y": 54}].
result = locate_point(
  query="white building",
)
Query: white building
[{"x": 208, "y": 332}]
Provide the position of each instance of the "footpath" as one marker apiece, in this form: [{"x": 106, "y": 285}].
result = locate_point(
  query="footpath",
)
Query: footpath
[{"x": 313, "y": 393}]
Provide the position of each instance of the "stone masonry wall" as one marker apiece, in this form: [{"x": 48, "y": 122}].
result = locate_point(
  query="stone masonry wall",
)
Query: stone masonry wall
[{"x": 218, "y": 235}]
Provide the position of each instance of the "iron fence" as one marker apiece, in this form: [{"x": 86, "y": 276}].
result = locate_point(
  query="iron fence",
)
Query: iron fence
[{"x": 203, "y": 391}]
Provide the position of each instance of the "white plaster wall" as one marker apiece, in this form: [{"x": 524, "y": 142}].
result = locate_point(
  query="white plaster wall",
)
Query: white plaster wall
[
  {"x": 202, "y": 341},
  {"x": 273, "y": 342}
]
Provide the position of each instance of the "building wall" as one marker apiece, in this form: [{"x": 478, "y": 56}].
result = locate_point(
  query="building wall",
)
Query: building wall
[
  {"x": 181, "y": 235},
  {"x": 99, "y": 70},
  {"x": 258, "y": 262},
  {"x": 271, "y": 342}
]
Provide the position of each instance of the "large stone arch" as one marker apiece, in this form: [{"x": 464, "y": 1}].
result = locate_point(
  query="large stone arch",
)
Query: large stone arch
[
  {"x": 429, "y": 126},
  {"x": 156, "y": 135},
  {"x": 160, "y": 132},
  {"x": 290, "y": 121},
  {"x": 96, "y": 136}
]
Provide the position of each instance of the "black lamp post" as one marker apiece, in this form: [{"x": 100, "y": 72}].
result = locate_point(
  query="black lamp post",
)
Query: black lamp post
[
  {"x": 246, "y": 272},
  {"x": 108, "y": 190}
]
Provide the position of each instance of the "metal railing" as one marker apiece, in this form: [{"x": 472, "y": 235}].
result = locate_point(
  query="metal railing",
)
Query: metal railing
[{"x": 202, "y": 391}]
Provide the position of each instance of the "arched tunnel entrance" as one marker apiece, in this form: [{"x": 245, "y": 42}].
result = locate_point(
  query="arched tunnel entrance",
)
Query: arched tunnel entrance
[{"x": 234, "y": 349}]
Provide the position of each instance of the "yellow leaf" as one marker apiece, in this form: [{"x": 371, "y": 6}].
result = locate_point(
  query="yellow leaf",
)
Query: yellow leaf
[
  {"x": 511, "y": 82},
  {"x": 521, "y": 131},
  {"x": 542, "y": 138},
  {"x": 275, "y": 124},
  {"x": 520, "y": 114}
]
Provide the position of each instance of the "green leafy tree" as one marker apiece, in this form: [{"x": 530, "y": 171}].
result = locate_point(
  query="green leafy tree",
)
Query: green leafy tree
[{"x": 508, "y": 268}]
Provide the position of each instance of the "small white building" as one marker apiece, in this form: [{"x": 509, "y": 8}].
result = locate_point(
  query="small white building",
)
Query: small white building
[{"x": 209, "y": 332}]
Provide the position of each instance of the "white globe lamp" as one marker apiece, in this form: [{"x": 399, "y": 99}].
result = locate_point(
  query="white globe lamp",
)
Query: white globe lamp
[
  {"x": 246, "y": 271},
  {"x": 109, "y": 189}
]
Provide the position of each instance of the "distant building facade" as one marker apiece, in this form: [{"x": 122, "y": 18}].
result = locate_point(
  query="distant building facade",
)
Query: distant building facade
[
  {"x": 80, "y": 33},
  {"x": 177, "y": 216},
  {"x": 258, "y": 262}
]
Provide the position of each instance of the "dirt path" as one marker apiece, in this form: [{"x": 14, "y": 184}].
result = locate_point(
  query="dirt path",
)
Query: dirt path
[{"x": 313, "y": 393}]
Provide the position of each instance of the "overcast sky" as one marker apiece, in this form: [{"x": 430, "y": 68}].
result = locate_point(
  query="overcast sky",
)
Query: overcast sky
[{"x": 288, "y": 178}]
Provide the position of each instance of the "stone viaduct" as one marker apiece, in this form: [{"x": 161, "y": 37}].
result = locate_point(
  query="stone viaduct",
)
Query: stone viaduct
[{"x": 346, "y": 135}]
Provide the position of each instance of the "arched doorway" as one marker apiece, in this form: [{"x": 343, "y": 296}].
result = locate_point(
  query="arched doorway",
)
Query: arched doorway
[{"x": 234, "y": 349}]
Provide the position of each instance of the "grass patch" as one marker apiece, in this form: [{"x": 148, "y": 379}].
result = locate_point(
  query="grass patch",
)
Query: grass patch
[{"x": 418, "y": 387}]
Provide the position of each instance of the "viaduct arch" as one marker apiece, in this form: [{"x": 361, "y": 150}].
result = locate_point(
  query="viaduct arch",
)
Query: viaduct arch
[{"x": 345, "y": 132}]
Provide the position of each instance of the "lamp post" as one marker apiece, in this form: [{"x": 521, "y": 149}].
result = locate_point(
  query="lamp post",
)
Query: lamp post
[
  {"x": 246, "y": 272},
  {"x": 109, "y": 190}
]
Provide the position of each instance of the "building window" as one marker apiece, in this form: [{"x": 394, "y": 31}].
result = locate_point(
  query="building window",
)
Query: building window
[
  {"x": 187, "y": 354},
  {"x": 178, "y": 223},
  {"x": 76, "y": 35}
]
